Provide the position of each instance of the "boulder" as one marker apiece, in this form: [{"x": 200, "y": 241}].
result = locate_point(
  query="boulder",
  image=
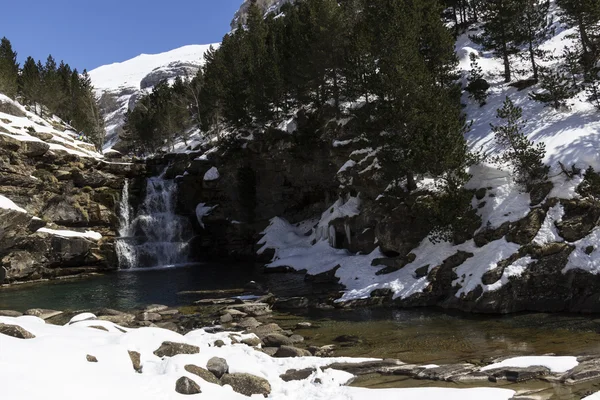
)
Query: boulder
[
  {"x": 171, "y": 326},
  {"x": 171, "y": 349},
  {"x": 252, "y": 309},
  {"x": 91, "y": 359},
  {"x": 366, "y": 367},
  {"x": 515, "y": 374},
  {"x": 247, "y": 384},
  {"x": 202, "y": 373},
  {"x": 219, "y": 343},
  {"x": 292, "y": 303},
  {"x": 290, "y": 351},
  {"x": 149, "y": 316},
  {"x": 270, "y": 351},
  {"x": 296, "y": 339},
  {"x": 10, "y": 313},
  {"x": 135, "y": 360},
  {"x": 303, "y": 325},
  {"x": 218, "y": 366},
  {"x": 264, "y": 330},
  {"x": 297, "y": 374},
  {"x": 276, "y": 340},
  {"x": 252, "y": 342},
  {"x": 185, "y": 385},
  {"x": 15, "y": 331},
  {"x": 42, "y": 313},
  {"x": 249, "y": 323},
  {"x": 121, "y": 319},
  {"x": 156, "y": 308}
]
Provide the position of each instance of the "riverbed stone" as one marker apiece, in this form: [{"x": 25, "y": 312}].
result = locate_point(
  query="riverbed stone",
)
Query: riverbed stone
[
  {"x": 233, "y": 313},
  {"x": 586, "y": 370},
  {"x": 366, "y": 367},
  {"x": 247, "y": 384},
  {"x": 185, "y": 385},
  {"x": 290, "y": 351},
  {"x": 249, "y": 323},
  {"x": 252, "y": 309},
  {"x": 149, "y": 316},
  {"x": 10, "y": 313},
  {"x": 155, "y": 308},
  {"x": 202, "y": 373},
  {"x": 169, "y": 325},
  {"x": 266, "y": 329},
  {"x": 449, "y": 373},
  {"x": 295, "y": 338},
  {"x": 270, "y": 351},
  {"x": 218, "y": 366},
  {"x": 515, "y": 374},
  {"x": 292, "y": 303},
  {"x": 15, "y": 331},
  {"x": 42, "y": 313},
  {"x": 297, "y": 374},
  {"x": 323, "y": 351},
  {"x": 170, "y": 312},
  {"x": 276, "y": 340},
  {"x": 226, "y": 318},
  {"x": 121, "y": 319},
  {"x": 304, "y": 325},
  {"x": 252, "y": 342},
  {"x": 171, "y": 349}
]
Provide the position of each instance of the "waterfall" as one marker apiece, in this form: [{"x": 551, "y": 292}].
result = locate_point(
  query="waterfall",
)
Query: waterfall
[{"x": 156, "y": 236}]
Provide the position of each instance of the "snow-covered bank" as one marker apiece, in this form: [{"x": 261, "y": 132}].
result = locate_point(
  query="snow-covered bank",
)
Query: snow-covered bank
[{"x": 58, "y": 359}]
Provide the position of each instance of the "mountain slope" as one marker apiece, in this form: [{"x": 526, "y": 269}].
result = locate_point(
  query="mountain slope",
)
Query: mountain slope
[{"x": 119, "y": 85}]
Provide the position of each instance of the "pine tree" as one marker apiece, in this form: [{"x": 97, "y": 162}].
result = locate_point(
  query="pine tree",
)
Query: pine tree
[
  {"x": 30, "y": 83},
  {"x": 477, "y": 86},
  {"x": 525, "y": 157},
  {"x": 9, "y": 69},
  {"x": 51, "y": 90},
  {"x": 556, "y": 88},
  {"x": 534, "y": 27},
  {"x": 500, "y": 30},
  {"x": 585, "y": 16},
  {"x": 592, "y": 87}
]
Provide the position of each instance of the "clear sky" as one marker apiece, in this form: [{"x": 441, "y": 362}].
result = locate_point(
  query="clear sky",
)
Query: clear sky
[{"x": 87, "y": 34}]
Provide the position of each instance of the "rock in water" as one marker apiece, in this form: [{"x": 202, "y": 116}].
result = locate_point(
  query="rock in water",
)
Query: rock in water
[
  {"x": 15, "y": 331},
  {"x": 171, "y": 349},
  {"x": 247, "y": 384},
  {"x": 135, "y": 360},
  {"x": 202, "y": 373},
  {"x": 185, "y": 385},
  {"x": 218, "y": 366}
]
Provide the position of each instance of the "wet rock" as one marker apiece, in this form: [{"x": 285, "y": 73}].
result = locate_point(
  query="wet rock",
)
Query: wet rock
[
  {"x": 252, "y": 342},
  {"x": 297, "y": 374},
  {"x": 586, "y": 370},
  {"x": 292, "y": 303},
  {"x": 290, "y": 351},
  {"x": 213, "y": 302},
  {"x": 171, "y": 326},
  {"x": 171, "y": 349},
  {"x": 121, "y": 319},
  {"x": 446, "y": 372},
  {"x": 365, "y": 368},
  {"x": 217, "y": 366},
  {"x": 266, "y": 329},
  {"x": 202, "y": 373},
  {"x": 42, "y": 313},
  {"x": 149, "y": 316},
  {"x": 155, "y": 308},
  {"x": 514, "y": 374},
  {"x": 135, "y": 360},
  {"x": 276, "y": 340},
  {"x": 168, "y": 312},
  {"x": 15, "y": 331},
  {"x": 247, "y": 384},
  {"x": 91, "y": 359},
  {"x": 10, "y": 313},
  {"x": 325, "y": 277},
  {"x": 252, "y": 309},
  {"x": 323, "y": 351},
  {"x": 296, "y": 339},
  {"x": 249, "y": 323},
  {"x": 226, "y": 318},
  {"x": 270, "y": 351},
  {"x": 219, "y": 343},
  {"x": 303, "y": 325},
  {"x": 185, "y": 385},
  {"x": 233, "y": 313}
]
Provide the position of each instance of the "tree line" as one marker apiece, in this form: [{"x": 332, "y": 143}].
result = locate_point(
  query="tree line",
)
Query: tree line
[{"x": 48, "y": 88}]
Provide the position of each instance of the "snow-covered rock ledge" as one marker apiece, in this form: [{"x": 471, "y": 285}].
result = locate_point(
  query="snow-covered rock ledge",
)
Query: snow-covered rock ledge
[{"x": 104, "y": 360}]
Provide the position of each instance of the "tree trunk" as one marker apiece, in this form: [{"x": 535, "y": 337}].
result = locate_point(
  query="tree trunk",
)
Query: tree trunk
[
  {"x": 533, "y": 64},
  {"x": 411, "y": 184}
]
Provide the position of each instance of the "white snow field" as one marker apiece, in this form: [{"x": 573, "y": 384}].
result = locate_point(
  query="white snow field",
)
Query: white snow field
[{"x": 53, "y": 366}]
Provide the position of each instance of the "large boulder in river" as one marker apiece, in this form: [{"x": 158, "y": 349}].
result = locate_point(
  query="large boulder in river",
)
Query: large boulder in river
[{"x": 247, "y": 384}]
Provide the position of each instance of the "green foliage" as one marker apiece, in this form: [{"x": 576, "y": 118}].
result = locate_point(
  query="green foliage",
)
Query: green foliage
[
  {"x": 9, "y": 69},
  {"x": 590, "y": 187},
  {"x": 535, "y": 26},
  {"x": 585, "y": 16},
  {"x": 477, "y": 86},
  {"x": 556, "y": 87},
  {"x": 523, "y": 155}
]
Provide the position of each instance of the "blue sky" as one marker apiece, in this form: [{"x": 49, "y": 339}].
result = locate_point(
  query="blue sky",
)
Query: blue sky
[{"x": 87, "y": 34}]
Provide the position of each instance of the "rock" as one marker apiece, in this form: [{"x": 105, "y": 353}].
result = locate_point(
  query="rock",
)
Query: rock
[
  {"x": 365, "y": 368},
  {"x": 296, "y": 339},
  {"x": 290, "y": 351},
  {"x": 324, "y": 277},
  {"x": 168, "y": 312},
  {"x": 185, "y": 385},
  {"x": 171, "y": 349},
  {"x": 247, "y": 384},
  {"x": 515, "y": 374},
  {"x": 446, "y": 372},
  {"x": 265, "y": 330},
  {"x": 100, "y": 328},
  {"x": 235, "y": 314},
  {"x": 324, "y": 351},
  {"x": 218, "y": 366},
  {"x": 297, "y": 374},
  {"x": 347, "y": 339},
  {"x": 303, "y": 325},
  {"x": 90, "y": 358},
  {"x": 219, "y": 343},
  {"x": 202, "y": 373},
  {"x": 135, "y": 360},
  {"x": 213, "y": 302},
  {"x": 10, "y": 313},
  {"x": 291, "y": 303},
  {"x": 226, "y": 318},
  {"x": 42, "y": 313},
  {"x": 270, "y": 351},
  {"x": 171, "y": 326},
  {"x": 276, "y": 340},
  {"x": 149, "y": 316},
  {"x": 252, "y": 309},
  {"x": 252, "y": 342},
  {"x": 15, "y": 331},
  {"x": 249, "y": 323},
  {"x": 122, "y": 319},
  {"x": 155, "y": 308},
  {"x": 586, "y": 370}
]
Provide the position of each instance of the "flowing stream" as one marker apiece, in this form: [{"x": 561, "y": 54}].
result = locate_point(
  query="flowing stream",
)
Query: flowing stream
[{"x": 156, "y": 236}]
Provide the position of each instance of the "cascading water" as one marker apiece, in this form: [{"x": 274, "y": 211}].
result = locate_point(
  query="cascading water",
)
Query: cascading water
[{"x": 156, "y": 236}]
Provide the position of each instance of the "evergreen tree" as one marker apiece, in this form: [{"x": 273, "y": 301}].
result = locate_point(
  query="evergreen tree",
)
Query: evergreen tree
[
  {"x": 556, "y": 88},
  {"x": 524, "y": 156},
  {"x": 535, "y": 26},
  {"x": 9, "y": 69},
  {"x": 501, "y": 30},
  {"x": 585, "y": 16},
  {"x": 30, "y": 83},
  {"x": 52, "y": 95},
  {"x": 477, "y": 86}
]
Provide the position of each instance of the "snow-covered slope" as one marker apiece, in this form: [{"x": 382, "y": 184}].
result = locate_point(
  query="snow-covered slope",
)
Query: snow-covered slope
[
  {"x": 119, "y": 85},
  {"x": 266, "y": 5}
]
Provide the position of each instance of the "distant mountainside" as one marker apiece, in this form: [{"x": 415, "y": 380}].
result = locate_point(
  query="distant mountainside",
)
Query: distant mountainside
[
  {"x": 267, "y": 5},
  {"x": 119, "y": 85}
]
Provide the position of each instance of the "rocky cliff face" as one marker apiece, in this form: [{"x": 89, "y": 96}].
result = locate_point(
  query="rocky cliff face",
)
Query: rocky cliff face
[
  {"x": 266, "y": 5},
  {"x": 63, "y": 197}
]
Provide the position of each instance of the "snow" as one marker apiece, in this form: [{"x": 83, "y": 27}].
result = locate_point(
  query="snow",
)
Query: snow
[
  {"x": 202, "y": 210},
  {"x": 8, "y": 204},
  {"x": 554, "y": 363},
  {"x": 212, "y": 174},
  {"x": 349, "y": 164},
  {"x": 579, "y": 259},
  {"x": 68, "y": 234},
  {"x": 548, "y": 232},
  {"x": 60, "y": 351}
]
